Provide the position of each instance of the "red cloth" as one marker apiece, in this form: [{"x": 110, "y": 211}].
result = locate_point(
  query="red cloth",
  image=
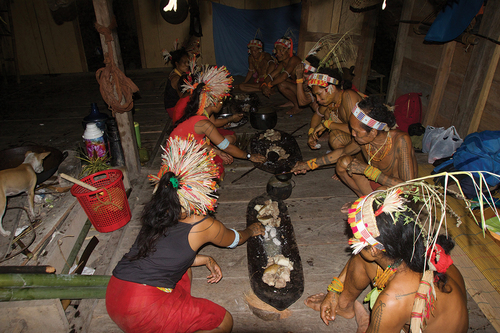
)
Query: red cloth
[
  {"x": 177, "y": 111},
  {"x": 187, "y": 127},
  {"x": 374, "y": 185},
  {"x": 139, "y": 308},
  {"x": 225, "y": 132}
]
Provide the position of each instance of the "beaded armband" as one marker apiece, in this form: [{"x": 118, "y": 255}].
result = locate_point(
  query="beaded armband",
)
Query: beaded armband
[
  {"x": 327, "y": 123},
  {"x": 336, "y": 286},
  {"x": 311, "y": 131},
  {"x": 372, "y": 173},
  {"x": 312, "y": 164}
]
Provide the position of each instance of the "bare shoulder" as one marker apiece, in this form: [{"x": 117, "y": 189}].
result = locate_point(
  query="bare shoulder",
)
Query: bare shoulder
[
  {"x": 400, "y": 137},
  {"x": 353, "y": 95},
  {"x": 267, "y": 56}
]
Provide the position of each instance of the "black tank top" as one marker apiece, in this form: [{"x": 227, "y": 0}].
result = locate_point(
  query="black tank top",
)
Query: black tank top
[
  {"x": 170, "y": 96},
  {"x": 163, "y": 267}
]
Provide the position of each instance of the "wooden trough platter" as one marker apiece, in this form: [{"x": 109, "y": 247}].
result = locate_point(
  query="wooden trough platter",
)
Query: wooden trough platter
[{"x": 281, "y": 298}]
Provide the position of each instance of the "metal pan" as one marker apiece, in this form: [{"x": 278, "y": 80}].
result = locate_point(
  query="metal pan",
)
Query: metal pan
[{"x": 13, "y": 157}]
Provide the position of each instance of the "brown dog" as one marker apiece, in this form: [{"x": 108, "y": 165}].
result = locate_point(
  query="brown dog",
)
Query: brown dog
[{"x": 18, "y": 180}]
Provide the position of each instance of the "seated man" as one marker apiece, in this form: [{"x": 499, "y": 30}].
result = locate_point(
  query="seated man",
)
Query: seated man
[
  {"x": 387, "y": 157},
  {"x": 259, "y": 65},
  {"x": 304, "y": 93},
  {"x": 415, "y": 281},
  {"x": 284, "y": 75},
  {"x": 336, "y": 99}
]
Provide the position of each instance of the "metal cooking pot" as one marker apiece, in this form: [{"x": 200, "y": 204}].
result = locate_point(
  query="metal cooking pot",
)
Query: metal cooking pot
[
  {"x": 279, "y": 189},
  {"x": 263, "y": 119},
  {"x": 13, "y": 157}
]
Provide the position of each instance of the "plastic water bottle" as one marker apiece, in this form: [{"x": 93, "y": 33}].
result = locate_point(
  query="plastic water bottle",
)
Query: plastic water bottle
[{"x": 94, "y": 141}]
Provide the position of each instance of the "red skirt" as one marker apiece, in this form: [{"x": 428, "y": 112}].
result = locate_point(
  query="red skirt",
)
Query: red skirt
[{"x": 139, "y": 308}]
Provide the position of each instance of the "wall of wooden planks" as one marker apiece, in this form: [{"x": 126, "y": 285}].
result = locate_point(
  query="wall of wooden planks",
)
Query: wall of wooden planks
[
  {"x": 46, "y": 48},
  {"x": 43, "y": 47},
  {"x": 443, "y": 74}
]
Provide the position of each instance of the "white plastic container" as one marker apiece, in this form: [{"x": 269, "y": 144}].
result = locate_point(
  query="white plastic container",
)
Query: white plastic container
[{"x": 94, "y": 141}]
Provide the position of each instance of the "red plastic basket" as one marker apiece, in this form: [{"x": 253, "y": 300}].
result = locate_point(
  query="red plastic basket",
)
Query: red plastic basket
[{"x": 107, "y": 208}]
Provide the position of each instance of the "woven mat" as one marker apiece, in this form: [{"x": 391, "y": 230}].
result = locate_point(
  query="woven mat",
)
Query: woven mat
[{"x": 477, "y": 256}]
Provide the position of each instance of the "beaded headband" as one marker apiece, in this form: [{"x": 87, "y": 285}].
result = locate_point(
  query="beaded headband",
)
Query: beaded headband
[
  {"x": 321, "y": 80},
  {"x": 368, "y": 121},
  {"x": 309, "y": 68},
  {"x": 286, "y": 43},
  {"x": 255, "y": 43},
  {"x": 363, "y": 224}
]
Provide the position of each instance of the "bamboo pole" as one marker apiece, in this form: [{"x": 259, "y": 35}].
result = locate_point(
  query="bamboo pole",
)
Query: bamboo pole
[
  {"x": 52, "y": 280},
  {"x": 20, "y": 294},
  {"x": 27, "y": 270}
]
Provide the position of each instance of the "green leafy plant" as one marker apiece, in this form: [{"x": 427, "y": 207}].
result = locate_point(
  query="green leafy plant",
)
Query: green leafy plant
[{"x": 93, "y": 164}]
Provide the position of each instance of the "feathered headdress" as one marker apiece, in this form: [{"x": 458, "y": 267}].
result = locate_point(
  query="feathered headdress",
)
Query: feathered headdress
[
  {"x": 217, "y": 85},
  {"x": 194, "y": 172},
  {"x": 167, "y": 56},
  {"x": 431, "y": 216}
]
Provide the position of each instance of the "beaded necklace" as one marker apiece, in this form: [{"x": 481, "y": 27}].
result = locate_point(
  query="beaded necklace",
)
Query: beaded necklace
[
  {"x": 387, "y": 148},
  {"x": 380, "y": 281},
  {"x": 334, "y": 109},
  {"x": 383, "y": 276}
]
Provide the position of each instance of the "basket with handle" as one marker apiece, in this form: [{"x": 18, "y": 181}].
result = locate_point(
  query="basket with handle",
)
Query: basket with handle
[{"x": 107, "y": 206}]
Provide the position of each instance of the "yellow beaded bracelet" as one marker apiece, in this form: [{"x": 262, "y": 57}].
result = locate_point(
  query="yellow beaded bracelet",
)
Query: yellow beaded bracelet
[
  {"x": 311, "y": 131},
  {"x": 299, "y": 80},
  {"x": 372, "y": 173},
  {"x": 327, "y": 123},
  {"x": 312, "y": 164},
  {"x": 336, "y": 286}
]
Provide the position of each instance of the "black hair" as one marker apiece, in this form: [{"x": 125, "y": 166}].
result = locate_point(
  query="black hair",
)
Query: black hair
[
  {"x": 313, "y": 60},
  {"x": 336, "y": 74},
  {"x": 403, "y": 240},
  {"x": 192, "y": 106},
  {"x": 376, "y": 109},
  {"x": 176, "y": 56},
  {"x": 160, "y": 213}
]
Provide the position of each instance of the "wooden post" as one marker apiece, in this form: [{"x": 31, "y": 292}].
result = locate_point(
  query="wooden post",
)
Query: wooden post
[
  {"x": 365, "y": 49},
  {"x": 399, "y": 51},
  {"x": 104, "y": 15},
  {"x": 304, "y": 18},
  {"x": 442, "y": 75},
  {"x": 480, "y": 72}
]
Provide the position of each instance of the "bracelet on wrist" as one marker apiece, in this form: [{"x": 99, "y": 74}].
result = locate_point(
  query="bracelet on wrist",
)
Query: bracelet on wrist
[
  {"x": 312, "y": 164},
  {"x": 327, "y": 123},
  {"x": 301, "y": 80},
  {"x": 372, "y": 173},
  {"x": 311, "y": 131}
]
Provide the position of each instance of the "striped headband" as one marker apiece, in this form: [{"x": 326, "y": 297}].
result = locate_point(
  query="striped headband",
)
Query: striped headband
[
  {"x": 368, "y": 121},
  {"x": 322, "y": 80},
  {"x": 309, "y": 68},
  {"x": 255, "y": 42},
  {"x": 283, "y": 42},
  {"x": 362, "y": 221}
]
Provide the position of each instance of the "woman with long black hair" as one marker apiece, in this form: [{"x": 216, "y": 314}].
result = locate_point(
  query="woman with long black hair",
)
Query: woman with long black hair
[
  {"x": 150, "y": 290},
  {"x": 180, "y": 62}
]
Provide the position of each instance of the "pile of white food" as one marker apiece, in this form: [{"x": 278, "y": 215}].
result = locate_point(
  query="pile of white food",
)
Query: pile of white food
[
  {"x": 268, "y": 213},
  {"x": 270, "y": 135},
  {"x": 277, "y": 272},
  {"x": 280, "y": 151}
]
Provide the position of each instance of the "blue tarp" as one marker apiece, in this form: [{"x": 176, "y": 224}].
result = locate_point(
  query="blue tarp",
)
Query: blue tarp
[
  {"x": 453, "y": 20},
  {"x": 234, "y": 28}
]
